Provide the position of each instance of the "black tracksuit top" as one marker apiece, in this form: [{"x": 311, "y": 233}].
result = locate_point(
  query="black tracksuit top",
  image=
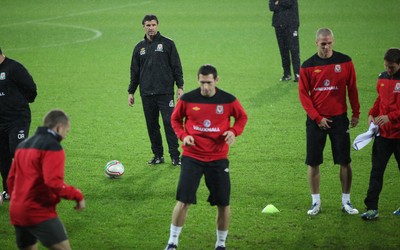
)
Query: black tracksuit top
[
  {"x": 286, "y": 13},
  {"x": 155, "y": 67},
  {"x": 17, "y": 90}
]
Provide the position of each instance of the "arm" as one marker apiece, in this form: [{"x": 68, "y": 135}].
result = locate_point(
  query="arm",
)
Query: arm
[
  {"x": 135, "y": 75},
  {"x": 24, "y": 82},
  {"x": 305, "y": 98},
  {"x": 176, "y": 67},
  {"x": 353, "y": 95},
  {"x": 375, "y": 117},
  {"x": 240, "y": 116},
  {"x": 53, "y": 175},
  {"x": 240, "y": 122},
  {"x": 178, "y": 124},
  {"x": 177, "y": 120},
  {"x": 374, "y": 111},
  {"x": 394, "y": 117},
  {"x": 11, "y": 175}
]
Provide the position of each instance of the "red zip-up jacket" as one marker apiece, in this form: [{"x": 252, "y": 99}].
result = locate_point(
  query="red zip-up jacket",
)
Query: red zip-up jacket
[
  {"x": 206, "y": 119},
  {"x": 388, "y": 103},
  {"x": 323, "y": 85},
  {"x": 36, "y": 179}
]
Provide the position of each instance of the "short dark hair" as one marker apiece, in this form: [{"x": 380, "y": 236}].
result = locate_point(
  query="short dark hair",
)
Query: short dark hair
[
  {"x": 1, "y": 52},
  {"x": 149, "y": 18},
  {"x": 392, "y": 55},
  {"x": 323, "y": 32},
  {"x": 55, "y": 117},
  {"x": 207, "y": 69}
]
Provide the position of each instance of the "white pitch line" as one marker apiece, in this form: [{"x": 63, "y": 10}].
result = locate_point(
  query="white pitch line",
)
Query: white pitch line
[
  {"x": 74, "y": 14},
  {"x": 96, "y": 35}
]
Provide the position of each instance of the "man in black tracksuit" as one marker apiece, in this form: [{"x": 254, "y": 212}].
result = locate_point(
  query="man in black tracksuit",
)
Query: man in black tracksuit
[
  {"x": 17, "y": 90},
  {"x": 155, "y": 67},
  {"x": 285, "y": 19}
]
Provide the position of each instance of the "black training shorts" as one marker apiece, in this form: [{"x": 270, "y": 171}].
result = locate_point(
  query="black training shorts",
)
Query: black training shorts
[
  {"x": 49, "y": 232},
  {"x": 339, "y": 135},
  {"x": 216, "y": 174}
]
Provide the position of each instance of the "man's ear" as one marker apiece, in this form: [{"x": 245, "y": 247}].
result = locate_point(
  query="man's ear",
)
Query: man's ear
[{"x": 57, "y": 128}]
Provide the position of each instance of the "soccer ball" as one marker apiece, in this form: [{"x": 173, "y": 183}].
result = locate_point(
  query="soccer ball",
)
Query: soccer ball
[{"x": 114, "y": 169}]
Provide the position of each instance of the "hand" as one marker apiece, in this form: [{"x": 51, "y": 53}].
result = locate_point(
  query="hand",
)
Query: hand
[
  {"x": 131, "y": 100},
  {"x": 353, "y": 122},
  {"x": 323, "y": 124},
  {"x": 381, "y": 120},
  {"x": 179, "y": 93},
  {"x": 80, "y": 205},
  {"x": 371, "y": 119},
  {"x": 230, "y": 137},
  {"x": 188, "y": 141}
]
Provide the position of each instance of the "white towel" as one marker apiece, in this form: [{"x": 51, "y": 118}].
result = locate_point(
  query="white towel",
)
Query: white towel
[{"x": 363, "y": 139}]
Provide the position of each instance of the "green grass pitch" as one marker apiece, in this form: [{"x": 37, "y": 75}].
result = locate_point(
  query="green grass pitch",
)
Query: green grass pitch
[{"x": 79, "y": 55}]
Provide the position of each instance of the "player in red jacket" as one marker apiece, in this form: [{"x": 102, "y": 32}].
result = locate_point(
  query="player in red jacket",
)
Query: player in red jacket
[
  {"x": 325, "y": 78},
  {"x": 36, "y": 184},
  {"x": 386, "y": 113},
  {"x": 201, "y": 120}
]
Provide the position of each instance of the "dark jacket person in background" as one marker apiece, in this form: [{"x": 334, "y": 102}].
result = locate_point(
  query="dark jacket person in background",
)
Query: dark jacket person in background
[
  {"x": 17, "y": 90},
  {"x": 155, "y": 67},
  {"x": 286, "y": 23}
]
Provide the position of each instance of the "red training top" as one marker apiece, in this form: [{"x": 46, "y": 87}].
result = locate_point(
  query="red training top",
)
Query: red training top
[
  {"x": 388, "y": 103},
  {"x": 36, "y": 179},
  {"x": 323, "y": 84},
  {"x": 206, "y": 119}
]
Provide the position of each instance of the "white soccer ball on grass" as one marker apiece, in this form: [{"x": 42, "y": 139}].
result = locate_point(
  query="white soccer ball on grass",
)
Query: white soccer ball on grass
[{"x": 114, "y": 169}]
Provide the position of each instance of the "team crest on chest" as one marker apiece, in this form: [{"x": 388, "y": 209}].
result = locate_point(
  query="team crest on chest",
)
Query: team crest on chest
[
  {"x": 338, "y": 68},
  {"x": 142, "y": 51},
  {"x": 2, "y": 76},
  {"x": 160, "y": 48},
  {"x": 397, "y": 87},
  {"x": 219, "y": 109}
]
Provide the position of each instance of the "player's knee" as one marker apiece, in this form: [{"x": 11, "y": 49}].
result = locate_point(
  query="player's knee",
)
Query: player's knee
[
  {"x": 183, "y": 206},
  {"x": 63, "y": 245}
]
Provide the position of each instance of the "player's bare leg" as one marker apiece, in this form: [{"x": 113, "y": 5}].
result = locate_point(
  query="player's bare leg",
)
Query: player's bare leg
[
  {"x": 313, "y": 175},
  {"x": 346, "y": 177},
  {"x": 313, "y": 179},
  {"x": 223, "y": 220},
  {"x": 178, "y": 220},
  {"x": 179, "y": 213},
  {"x": 63, "y": 245}
]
